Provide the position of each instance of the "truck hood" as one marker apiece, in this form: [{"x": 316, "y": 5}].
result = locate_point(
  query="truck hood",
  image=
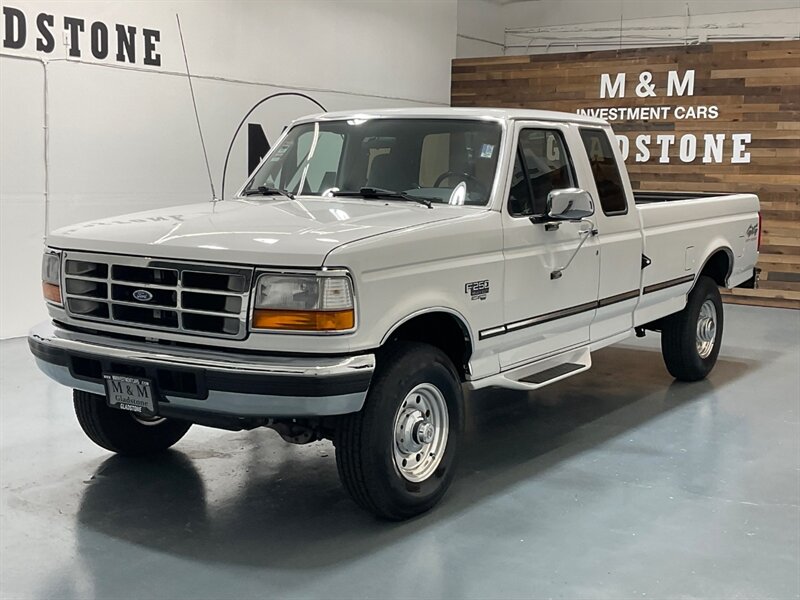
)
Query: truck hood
[{"x": 263, "y": 231}]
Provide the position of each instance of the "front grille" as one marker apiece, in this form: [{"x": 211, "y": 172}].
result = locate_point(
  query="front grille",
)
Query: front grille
[{"x": 191, "y": 298}]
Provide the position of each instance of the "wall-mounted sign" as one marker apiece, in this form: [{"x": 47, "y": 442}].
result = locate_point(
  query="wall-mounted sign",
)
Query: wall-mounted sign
[
  {"x": 719, "y": 117},
  {"x": 44, "y": 32},
  {"x": 713, "y": 147}
]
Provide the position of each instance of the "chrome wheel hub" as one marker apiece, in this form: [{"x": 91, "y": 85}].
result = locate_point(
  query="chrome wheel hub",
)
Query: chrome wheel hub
[
  {"x": 706, "y": 329},
  {"x": 421, "y": 427},
  {"x": 423, "y": 432}
]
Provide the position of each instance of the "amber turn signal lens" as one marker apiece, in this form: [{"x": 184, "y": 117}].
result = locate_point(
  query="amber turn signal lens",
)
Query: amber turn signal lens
[
  {"x": 304, "y": 320},
  {"x": 51, "y": 292}
]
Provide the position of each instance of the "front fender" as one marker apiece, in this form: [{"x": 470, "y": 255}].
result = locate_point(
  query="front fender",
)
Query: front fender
[
  {"x": 460, "y": 318},
  {"x": 434, "y": 267}
]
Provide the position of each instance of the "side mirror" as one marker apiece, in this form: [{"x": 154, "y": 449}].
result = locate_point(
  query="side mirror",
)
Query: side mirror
[{"x": 570, "y": 204}]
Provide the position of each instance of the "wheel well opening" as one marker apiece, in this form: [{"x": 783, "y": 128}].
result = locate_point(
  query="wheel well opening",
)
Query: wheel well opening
[
  {"x": 442, "y": 330},
  {"x": 718, "y": 267}
]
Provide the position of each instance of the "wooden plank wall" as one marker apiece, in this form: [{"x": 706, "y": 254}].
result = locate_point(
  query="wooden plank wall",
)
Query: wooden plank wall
[{"x": 756, "y": 89}]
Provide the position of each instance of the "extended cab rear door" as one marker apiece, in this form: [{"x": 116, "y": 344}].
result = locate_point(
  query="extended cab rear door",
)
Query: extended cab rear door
[
  {"x": 543, "y": 315},
  {"x": 602, "y": 173}
]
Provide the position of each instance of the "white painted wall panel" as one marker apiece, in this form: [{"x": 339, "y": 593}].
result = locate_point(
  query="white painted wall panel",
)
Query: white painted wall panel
[{"x": 22, "y": 206}]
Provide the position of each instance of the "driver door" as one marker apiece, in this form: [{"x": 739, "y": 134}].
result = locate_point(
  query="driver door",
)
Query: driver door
[{"x": 542, "y": 315}]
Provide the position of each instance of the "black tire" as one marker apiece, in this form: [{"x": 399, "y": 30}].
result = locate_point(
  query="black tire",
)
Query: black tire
[
  {"x": 119, "y": 431},
  {"x": 679, "y": 334},
  {"x": 365, "y": 441}
]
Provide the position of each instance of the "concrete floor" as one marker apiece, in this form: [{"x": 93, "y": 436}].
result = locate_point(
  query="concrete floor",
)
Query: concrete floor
[{"x": 617, "y": 483}]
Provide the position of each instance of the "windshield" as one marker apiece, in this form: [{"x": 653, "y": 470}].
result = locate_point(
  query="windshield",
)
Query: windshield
[{"x": 442, "y": 160}]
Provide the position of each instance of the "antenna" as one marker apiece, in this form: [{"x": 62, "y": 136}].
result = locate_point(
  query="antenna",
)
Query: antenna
[
  {"x": 196, "y": 115},
  {"x": 250, "y": 112}
]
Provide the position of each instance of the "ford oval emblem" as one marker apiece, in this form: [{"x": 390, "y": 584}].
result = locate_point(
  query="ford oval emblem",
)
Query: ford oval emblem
[{"x": 142, "y": 295}]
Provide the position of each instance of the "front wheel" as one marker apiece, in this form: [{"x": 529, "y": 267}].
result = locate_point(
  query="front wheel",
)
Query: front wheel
[
  {"x": 125, "y": 432},
  {"x": 396, "y": 457},
  {"x": 690, "y": 339}
]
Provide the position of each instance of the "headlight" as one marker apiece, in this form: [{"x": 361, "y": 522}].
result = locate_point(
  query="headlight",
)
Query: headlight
[
  {"x": 304, "y": 303},
  {"x": 51, "y": 276}
]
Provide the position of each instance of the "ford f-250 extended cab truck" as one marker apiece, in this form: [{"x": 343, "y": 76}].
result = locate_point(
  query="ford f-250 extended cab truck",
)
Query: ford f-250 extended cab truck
[{"x": 372, "y": 268}]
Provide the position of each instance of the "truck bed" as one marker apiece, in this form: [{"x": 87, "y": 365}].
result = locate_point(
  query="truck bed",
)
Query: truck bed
[
  {"x": 677, "y": 233},
  {"x": 681, "y": 230}
]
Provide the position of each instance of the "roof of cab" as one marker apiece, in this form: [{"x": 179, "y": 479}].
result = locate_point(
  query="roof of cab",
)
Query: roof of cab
[{"x": 502, "y": 114}]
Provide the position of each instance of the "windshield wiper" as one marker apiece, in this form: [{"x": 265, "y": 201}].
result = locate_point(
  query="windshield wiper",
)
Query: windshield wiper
[
  {"x": 368, "y": 192},
  {"x": 263, "y": 190}
]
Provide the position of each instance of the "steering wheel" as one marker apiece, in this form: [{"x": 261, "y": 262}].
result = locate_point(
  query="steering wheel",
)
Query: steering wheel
[{"x": 482, "y": 187}]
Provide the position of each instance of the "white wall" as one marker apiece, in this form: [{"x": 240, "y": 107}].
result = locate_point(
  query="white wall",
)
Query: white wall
[
  {"x": 542, "y": 26},
  {"x": 124, "y": 138},
  {"x": 481, "y": 29}
]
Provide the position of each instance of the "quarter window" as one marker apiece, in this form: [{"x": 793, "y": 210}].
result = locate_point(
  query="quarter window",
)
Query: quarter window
[{"x": 605, "y": 170}]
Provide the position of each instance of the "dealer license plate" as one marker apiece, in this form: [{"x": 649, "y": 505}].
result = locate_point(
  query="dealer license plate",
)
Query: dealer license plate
[{"x": 130, "y": 393}]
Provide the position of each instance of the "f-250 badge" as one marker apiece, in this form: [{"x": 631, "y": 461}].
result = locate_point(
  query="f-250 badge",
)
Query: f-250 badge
[{"x": 477, "y": 290}]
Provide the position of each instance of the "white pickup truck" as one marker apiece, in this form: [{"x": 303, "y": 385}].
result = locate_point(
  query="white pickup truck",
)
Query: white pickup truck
[{"x": 372, "y": 268}]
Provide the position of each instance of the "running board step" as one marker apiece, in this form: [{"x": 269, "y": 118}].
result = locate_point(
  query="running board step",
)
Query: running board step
[
  {"x": 556, "y": 372},
  {"x": 539, "y": 373}
]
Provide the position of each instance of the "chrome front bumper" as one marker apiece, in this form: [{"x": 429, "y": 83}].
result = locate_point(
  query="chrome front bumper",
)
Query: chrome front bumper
[{"x": 193, "y": 381}]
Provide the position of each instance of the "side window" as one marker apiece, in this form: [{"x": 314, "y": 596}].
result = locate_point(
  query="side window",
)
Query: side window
[
  {"x": 546, "y": 166},
  {"x": 605, "y": 171},
  {"x": 520, "y": 203}
]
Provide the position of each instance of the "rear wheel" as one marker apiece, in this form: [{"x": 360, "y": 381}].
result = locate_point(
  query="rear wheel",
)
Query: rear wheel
[
  {"x": 690, "y": 339},
  {"x": 125, "y": 432},
  {"x": 396, "y": 457}
]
